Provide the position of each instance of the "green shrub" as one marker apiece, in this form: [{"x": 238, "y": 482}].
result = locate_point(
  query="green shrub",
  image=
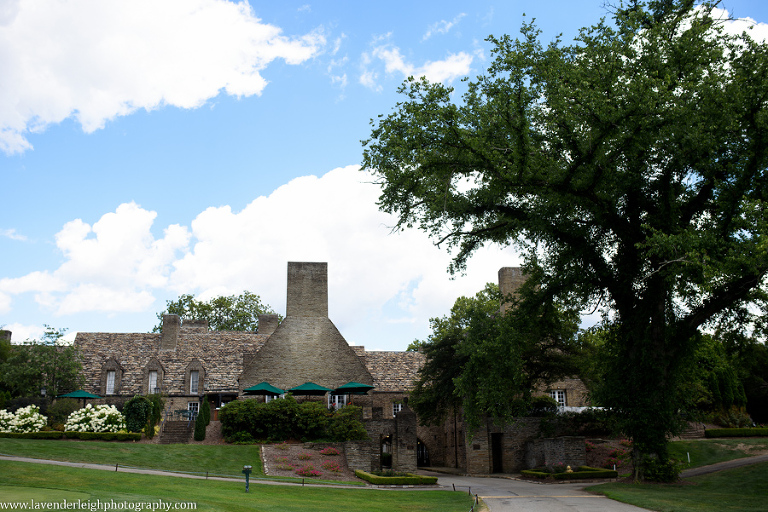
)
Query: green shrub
[
  {"x": 155, "y": 415},
  {"x": 199, "y": 427},
  {"x": 408, "y": 479},
  {"x": 282, "y": 419},
  {"x": 103, "y": 436},
  {"x": 581, "y": 473},
  {"x": 543, "y": 405},
  {"x": 736, "y": 432},
  {"x": 735, "y": 417},
  {"x": 658, "y": 470},
  {"x": 137, "y": 411},
  {"x": 59, "y": 411},
  {"x": 205, "y": 412},
  {"x": 240, "y": 438},
  {"x": 50, "y": 434}
]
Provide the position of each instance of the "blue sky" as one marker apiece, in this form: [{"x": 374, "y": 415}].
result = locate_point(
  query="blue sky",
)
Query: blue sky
[{"x": 152, "y": 148}]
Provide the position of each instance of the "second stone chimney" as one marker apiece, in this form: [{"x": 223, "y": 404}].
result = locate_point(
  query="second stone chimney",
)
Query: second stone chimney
[
  {"x": 171, "y": 327},
  {"x": 510, "y": 281}
]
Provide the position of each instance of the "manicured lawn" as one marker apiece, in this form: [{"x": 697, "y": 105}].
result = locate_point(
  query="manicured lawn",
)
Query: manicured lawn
[
  {"x": 710, "y": 451},
  {"x": 25, "y": 481},
  {"x": 735, "y": 490},
  {"x": 187, "y": 458}
]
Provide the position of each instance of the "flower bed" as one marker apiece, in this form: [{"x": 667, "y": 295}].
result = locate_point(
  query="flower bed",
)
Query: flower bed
[{"x": 297, "y": 460}]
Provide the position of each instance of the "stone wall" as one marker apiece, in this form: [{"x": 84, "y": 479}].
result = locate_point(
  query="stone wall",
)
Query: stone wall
[
  {"x": 576, "y": 393},
  {"x": 570, "y": 451},
  {"x": 513, "y": 439}
]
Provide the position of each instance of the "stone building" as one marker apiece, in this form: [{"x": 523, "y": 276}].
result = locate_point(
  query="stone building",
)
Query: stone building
[{"x": 186, "y": 362}]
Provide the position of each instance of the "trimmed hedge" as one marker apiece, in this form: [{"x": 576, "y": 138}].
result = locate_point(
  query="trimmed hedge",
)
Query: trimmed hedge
[
  {"x": 409, "y": 479},
  {"x": 582, "y": 472},
  {"x": 49, "y": 434},
  {"x": 736, "y": 432},
  {"x": 104, "y": 436}
]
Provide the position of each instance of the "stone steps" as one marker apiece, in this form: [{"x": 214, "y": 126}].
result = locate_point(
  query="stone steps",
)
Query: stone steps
[{"x": 176, "y": 432}]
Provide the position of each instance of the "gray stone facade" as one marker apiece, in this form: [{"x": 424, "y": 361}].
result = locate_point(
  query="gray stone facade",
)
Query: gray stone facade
[{"x": 305, "y": 347}]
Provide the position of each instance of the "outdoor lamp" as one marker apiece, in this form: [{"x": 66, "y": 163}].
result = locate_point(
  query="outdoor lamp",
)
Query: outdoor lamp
[{"x": 247, "y": 471}]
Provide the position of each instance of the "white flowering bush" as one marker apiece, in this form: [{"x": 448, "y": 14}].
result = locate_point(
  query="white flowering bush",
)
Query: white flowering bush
[
  {"x": 102, "y": 418},
  {"x": 5, "y": 420},
  {"x": 26, "y": 419}
]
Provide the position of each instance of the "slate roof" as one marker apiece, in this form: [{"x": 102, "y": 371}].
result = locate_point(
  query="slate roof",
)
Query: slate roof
[{"x": 393, "y": 371}]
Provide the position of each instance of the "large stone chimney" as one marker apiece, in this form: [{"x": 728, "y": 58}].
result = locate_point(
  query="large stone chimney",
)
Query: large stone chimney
[
  {"x": 305, "y": 346},
  {"x": 510, "y": 281},
  {"x": 307, "y": 289}
]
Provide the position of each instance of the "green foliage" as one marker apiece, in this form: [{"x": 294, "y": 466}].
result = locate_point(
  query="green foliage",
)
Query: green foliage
[
  {"x": 630, "y": 165},
  {"x": 103, "y": 436},
  {"x": 488, "y": 363},
  {"x": 735, "y": 432},
  {"x": 661, "y": 470},
  {"x": 50, "y": 434},
  {"x": 200, "y": 425},
  {"x": 284, "y": 418},
  {"x": 61, "y": 409},
  {"x": 589, "y": 422},
  {"x": 543, "y": 405},
  {"x": 137, "y": 411},
  {"x": 48, "y": 364},
  {"x": 225, "y": 313},
  {"x": 205, "y": 412},
  {"x": 155, "y": 415},
  {"x": 580, "y": 473}
]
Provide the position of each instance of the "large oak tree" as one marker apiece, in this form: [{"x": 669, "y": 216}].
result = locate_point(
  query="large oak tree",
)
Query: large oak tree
[{"x": 630, "y": 165}]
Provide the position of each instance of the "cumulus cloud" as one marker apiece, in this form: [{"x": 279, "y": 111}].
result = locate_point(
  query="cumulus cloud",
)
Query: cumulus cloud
[
  {"x": 111, "y": 266},
  {"x": 456, "y": 65},
  {"x": 95, "y": 60},
  {"x": 382, "y": 285},
  {"x": 442, "y": 27}
]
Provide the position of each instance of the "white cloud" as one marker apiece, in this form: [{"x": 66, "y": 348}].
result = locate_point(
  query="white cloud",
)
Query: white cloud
[
  {"x": 12, "y": 234},
  {"x": 442, "y": 27},
  {"x": 757, "y": 31},
  {"x": 95, "y": 60},
  {"x": 383, "y": 287},
  {"x": 112, "y": 266},
  {"x": 454, "y": 66}
]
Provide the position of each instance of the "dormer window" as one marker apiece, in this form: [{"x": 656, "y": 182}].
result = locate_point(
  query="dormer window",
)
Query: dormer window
[{"x": 194, "y": 380}]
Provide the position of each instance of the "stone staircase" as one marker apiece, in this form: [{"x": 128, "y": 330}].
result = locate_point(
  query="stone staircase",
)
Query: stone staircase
[
  {"x": 176, "y": 432},
  {"x": 693, "y": 430}
]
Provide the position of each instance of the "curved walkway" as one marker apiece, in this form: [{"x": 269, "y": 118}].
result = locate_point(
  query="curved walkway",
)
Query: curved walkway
[{"x": 499, "y": 494}]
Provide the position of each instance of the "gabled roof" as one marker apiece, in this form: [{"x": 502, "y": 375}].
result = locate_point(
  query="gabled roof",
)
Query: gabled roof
[{"x": 393, "y": 371}]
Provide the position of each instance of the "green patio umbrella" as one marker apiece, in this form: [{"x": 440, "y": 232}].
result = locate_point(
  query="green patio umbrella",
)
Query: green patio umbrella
[
  {"x": 309, "y": 388},
  {"x": 263, "y": 388},
  {"x": 353, "y": 388},
  {"x": 80, "y": 393}
]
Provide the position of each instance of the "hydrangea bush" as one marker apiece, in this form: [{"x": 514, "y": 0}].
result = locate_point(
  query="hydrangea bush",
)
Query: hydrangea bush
[
  {"x": 102, "y": 418},
  {"x": 26, "y": 419}
]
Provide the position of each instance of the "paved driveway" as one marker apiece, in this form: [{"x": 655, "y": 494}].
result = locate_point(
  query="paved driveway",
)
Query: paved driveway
[{"x": 506, "y": 495}]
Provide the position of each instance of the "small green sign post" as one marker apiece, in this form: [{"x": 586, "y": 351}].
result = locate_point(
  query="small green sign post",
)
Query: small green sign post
[{"x": 247, "y": 471}]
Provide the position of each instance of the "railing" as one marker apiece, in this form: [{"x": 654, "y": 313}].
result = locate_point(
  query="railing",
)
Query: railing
[{"x": 180, "y": 415}]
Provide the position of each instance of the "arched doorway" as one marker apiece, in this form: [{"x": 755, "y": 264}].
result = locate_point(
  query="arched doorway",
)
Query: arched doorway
[
  {"x": 386, "y": 452},
  {"x": 422, "y": 454}
]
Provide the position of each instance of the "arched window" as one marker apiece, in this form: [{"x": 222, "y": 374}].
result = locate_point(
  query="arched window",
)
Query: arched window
[
  {"x": 111, "y": 377},
  {"x": 152, "y": 381},
  {"x": 194, "y": 377}
]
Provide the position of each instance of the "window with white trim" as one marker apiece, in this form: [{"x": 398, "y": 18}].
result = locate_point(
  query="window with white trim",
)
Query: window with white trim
[
  {"x": 336, "y": 402},
  {"x": 269, "y": 398},
  {"x": 194, "y": 379},
  {"x": 559, "y": 396},
  {"x": 396, "y": 408},
  {"x": 152, "y": 388},
  {"x": 193, "y": 407},
  {"x": 110, "y": 382}
]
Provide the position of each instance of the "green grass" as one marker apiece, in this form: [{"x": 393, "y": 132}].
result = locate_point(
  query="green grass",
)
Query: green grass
[
  {"x": 187, "y": 458},
  {"x": 26, "y": 481},
  {"x": 710, "y": 451},
  {"x": 735, "y": 490}
]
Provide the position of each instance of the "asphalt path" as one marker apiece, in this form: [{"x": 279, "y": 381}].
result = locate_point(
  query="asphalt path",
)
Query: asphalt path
[{"x": 498, "y": 494}]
